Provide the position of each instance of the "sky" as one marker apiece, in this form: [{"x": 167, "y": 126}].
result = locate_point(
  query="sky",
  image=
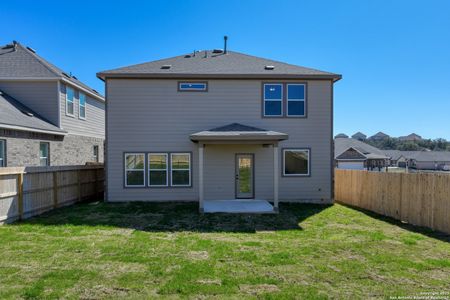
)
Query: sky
[{"x": 394, "y": 56}]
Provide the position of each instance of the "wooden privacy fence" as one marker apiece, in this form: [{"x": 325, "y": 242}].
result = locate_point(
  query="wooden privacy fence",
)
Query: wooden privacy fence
[
  {"x": 420, "y": 198},
  {"x": 29, "y": 191}
]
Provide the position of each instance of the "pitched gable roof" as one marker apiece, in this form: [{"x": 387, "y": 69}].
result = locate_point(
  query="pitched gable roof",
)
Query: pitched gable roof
[
  {"x": 217, "y": 65},
  {"x": 15, "y": 115},
  {"x": 20, "y": 62},
  {"x": 343, "y": 144}
]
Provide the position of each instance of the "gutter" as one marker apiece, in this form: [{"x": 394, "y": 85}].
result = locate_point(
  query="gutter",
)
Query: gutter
[
  {"x": 30, "y": 129},
  {"x": 104, "y": 76}
]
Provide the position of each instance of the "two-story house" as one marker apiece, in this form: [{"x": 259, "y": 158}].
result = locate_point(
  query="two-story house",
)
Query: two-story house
[
  {"x": 47, "y": 116},
  {"x": 217, "y": 125}
]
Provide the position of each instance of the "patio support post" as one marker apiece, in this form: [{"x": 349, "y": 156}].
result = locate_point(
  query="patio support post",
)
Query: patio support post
[
  {"x": 275, "y": 175},
  {"x": 201, "y": 148}
]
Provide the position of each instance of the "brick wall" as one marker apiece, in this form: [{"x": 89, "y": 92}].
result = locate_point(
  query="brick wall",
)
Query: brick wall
[{"x": 22, "y": 148}]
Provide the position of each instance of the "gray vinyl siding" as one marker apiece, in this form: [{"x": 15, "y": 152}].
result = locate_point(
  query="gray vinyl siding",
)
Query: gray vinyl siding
[
  {"x": 93, "y": 125},
  {"x": 40, "y": 96},
  {"x": 150, "y": 115}
]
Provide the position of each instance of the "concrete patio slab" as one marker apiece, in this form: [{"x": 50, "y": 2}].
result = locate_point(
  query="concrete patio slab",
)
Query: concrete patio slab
[{"x": 251, "y": 206}]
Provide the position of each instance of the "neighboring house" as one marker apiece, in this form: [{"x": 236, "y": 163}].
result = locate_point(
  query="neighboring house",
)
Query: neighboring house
[
  {"x": 47, "y": 117},
  {"x": 410, "y": 137},
  {"x": 216, "y": 125},
  {"x": 341, "y": 135},
  {"x": 429, "y": 160},
  {"x": 357, "y": 155},
  {"x": 359, "y": 136},
  {"x": 396, "y": 158},
  {"x": 379, "y": 136}
]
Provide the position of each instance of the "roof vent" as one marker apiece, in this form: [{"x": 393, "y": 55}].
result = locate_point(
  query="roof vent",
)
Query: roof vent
[
  {"x": 269, "y": 67},
  {"x": 31, "y": 49},
  {"x": 187, "y": 56},
  {"x": 65, "y": 74},
  {"x": 74, "y": 77},
  {"x": 166, "y": 67},
  {"x": 30, "y": 114},
  {"x": 217, "y": 51},
  {"x": 95, "y": 91}
]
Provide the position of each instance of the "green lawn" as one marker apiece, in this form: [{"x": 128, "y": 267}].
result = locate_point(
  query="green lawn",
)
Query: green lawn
[{"x": 98, "y": 250}]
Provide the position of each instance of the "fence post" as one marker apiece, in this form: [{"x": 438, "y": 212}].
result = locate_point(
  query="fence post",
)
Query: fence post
[
  {"x": 79, "y": 184},
  {"x": 96, "y": 184},
  {"x": 20, "y": 194},
  {"x": 55, "y": 189}
]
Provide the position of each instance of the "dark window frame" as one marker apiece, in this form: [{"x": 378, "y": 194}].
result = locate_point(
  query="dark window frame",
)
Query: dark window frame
[
  {"x": 284, "y": 101},
  {"x": 179, "y": 89}
]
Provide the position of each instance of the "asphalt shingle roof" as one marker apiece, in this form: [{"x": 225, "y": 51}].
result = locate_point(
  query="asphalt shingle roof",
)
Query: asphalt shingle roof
[
  {"x": 342, "y": 144},
  {"x": 23, "y": 62},
  {"x": 236, "y": 127},
  {"x": 14, "y": 113},
  {"x": 217, "y": 65}
]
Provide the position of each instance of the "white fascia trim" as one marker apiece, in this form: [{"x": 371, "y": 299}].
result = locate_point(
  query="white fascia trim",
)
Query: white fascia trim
[
  {"x": 29, "y": 78},
  {"x": 21, "y": 128},
  {"x": 68, "y": 82}
]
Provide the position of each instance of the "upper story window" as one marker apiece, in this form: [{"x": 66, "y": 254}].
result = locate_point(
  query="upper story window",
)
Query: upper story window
[
  {"x": 296, "y": 103},
  {"x": 44, "y": 149},
  {"x": 192, "y": 86},
  {"x": 273, "y": 100},
  {"x": 284, "y": 100},
  {"x": 82, "y": 107},
  {"x": 2, "y": 153},
  {"x": 69, "y": 101}
]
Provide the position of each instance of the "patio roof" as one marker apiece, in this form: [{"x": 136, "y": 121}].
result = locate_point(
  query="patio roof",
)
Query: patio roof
[{"x": 238, "y": 132}]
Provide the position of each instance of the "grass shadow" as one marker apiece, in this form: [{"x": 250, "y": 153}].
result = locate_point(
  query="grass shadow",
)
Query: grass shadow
[
  {"x": 442, "y": 236},
  {"x": 175, "y": 216}
]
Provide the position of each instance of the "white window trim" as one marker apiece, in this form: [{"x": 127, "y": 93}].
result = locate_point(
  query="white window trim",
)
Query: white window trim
[
  {"x": 171, "y": 169},
  {"x": 47, "y": 158},
  {"x": 280, "y": 100},
  {"x": 79, "y": 106},
  {"x": 67, "y": 102},
  {"x": 166, "y": 169},
  {"x": 126, "y": 169},
  {"x": 295, "y": 100},
  {"x": 309, "y": 162},
  {"x": 3, "y": 148},
  {"x": 193, "y": 89}
]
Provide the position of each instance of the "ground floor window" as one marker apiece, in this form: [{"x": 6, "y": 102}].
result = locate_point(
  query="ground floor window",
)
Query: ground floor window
[
  {"x": 134, "y": 169},
  {"x": 163, "y": 169},
  {"x": 2, "y": 153},
  {"x": 157, "y": 169},
  {"x": 95, "y": 150},
  {"x": 181, "y": 169},
  {"x": 44, "y": 151},
  {"x": 296, "y": 162}
]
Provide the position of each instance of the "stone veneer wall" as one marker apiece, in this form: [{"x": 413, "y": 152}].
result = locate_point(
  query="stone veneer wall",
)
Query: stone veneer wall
[{"x": 22, "y": 148}]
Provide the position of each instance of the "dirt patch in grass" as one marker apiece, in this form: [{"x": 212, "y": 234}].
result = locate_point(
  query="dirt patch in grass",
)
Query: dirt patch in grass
[
  {"x": 210, "y": 281},
  {"x": 198, "y": 255},
  {"x": 257, "y": 289}
]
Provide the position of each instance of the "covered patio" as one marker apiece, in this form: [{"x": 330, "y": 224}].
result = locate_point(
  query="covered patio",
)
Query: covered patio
[{"x": 244, "y": 200}]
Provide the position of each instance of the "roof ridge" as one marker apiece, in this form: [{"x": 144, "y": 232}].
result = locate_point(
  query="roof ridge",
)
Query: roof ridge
[
  {"x": 281, "y": 62},
  {"x": 144, "y": 63}
]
